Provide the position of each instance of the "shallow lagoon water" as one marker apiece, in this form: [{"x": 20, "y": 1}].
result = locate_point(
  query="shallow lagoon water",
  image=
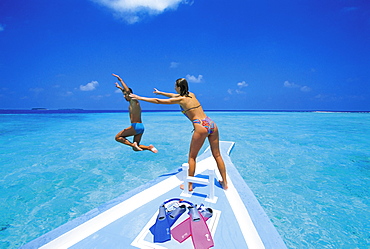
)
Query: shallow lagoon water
[{"x": 310, "y": 171}]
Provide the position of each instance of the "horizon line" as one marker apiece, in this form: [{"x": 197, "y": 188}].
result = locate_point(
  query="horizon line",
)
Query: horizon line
[{"x": 80, "y": 110}]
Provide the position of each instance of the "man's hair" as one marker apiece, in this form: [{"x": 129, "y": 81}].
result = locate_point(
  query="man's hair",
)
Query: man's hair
[{"x": 128, "y": 92}]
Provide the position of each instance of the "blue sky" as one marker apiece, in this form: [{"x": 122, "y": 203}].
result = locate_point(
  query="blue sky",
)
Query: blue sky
[{"x": 240, "y": 54}]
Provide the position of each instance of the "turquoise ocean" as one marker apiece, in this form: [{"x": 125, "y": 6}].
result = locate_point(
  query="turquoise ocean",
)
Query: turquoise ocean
[{"x": 309, "y": 170}]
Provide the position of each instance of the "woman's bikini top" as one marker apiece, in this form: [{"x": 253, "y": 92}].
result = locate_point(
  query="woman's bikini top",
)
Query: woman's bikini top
[{"x": 185, "y": 111}]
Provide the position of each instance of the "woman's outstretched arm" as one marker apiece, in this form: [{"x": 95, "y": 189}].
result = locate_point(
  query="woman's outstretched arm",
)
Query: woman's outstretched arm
[
  {"x": 169, "y": 95},
  {"x": 174, "y": 100}
]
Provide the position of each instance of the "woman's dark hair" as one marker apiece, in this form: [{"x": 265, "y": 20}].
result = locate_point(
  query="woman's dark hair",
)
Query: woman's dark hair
[{"x": 184, "y": 88}]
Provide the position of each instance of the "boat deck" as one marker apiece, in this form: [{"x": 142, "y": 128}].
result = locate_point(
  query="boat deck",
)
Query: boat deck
[{"x": 238, "y": 220}]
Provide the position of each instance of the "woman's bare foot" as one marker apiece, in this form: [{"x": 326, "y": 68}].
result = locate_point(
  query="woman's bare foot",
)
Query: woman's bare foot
[
  {"x": 135, "y": 147},
  {"x": 223, "y": 185},
  {"x": 190, "y": 187},
  {"x": 152, "y": 149}
]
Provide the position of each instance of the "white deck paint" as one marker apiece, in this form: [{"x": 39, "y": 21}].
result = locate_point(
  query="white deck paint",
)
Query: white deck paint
[
  {"x": 102, "y": 220},
  {"x": 95, "y": 224}
]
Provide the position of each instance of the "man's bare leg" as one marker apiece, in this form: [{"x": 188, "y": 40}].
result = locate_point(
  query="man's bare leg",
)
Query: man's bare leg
[
  {"x": 135, "y": 147},
  {"x": 123, "y": 140},
  {"x": 150, "y": 147},
  {"x": 137, "y": 139}
]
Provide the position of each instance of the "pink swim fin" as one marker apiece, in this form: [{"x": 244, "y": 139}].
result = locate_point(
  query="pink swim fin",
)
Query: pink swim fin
[
  {"x": 200, "y": 234},
  {"x": 182, "y": 231}
]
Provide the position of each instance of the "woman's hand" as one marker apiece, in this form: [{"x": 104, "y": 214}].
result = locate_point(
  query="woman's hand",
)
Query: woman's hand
[
  {"x": 134, "y": 96},
  {"x": 156, "y": 91}
]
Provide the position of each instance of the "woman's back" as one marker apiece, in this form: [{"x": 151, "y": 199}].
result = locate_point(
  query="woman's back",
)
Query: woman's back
[{"x": 192, "y": 108}]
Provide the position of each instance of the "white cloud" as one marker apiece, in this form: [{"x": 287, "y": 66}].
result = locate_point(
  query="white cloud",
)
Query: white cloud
[
  {"x": 334, "y": 97},
  {"x": 189, "y": 2},
  {"x": 305, "y": 89},
  {"x": 66, "y": 94},
  {"x": 2, "y": 27},
  {"x": 99, "y": 97},
  {"x": 37, "y": 90},
  {"x": 193, "y": 79},
  {"x": 288, "y": 84},
  {"x": 327, "y": 97},
  {"x": 132, "y": 11},
  {"x": 89, "y": 86},
  {"x": 242, "y": 84},
  {"x": 174, "y": 64}
]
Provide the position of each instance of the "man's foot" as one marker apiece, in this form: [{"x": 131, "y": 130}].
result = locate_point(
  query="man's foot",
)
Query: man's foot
[
  {"x": 152, "y": 149},
  {"x": 223, "y": 185},
  {"x": 190, "y": 187},
  {"x": 135, "y": 147}
]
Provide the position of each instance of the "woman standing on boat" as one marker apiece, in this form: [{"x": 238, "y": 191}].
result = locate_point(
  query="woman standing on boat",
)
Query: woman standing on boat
[{"x": 204, "y": 127}]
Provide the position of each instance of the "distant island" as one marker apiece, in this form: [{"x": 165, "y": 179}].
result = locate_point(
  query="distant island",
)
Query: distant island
[
  {"x": 71, "y": 109},
  {"x": 46, "y": 109},
  {"x": 38, "y": 109}
]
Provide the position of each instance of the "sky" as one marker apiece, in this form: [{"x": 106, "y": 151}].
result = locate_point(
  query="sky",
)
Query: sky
[{"x": 236, "y": 55}]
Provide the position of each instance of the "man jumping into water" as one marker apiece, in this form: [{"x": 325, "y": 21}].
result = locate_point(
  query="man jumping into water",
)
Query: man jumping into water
[{"x": 137, "y": 128}]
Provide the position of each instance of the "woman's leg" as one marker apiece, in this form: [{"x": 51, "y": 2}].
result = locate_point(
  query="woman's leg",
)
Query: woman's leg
[
  {"x": 214, "y": 142},
  {"x": 196, "y": 144}
]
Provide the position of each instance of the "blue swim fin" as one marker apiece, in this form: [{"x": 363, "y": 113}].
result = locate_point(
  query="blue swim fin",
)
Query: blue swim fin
[
  {"x": 161, "y": 228},
  {"x": 200, "y": 234},
  {"x": 175, "y": 214}
]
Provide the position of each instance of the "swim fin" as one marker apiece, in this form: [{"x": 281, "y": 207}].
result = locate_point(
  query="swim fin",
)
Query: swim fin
[
  {"x": 175, "y": 214},
  {"x": 161, "y": 228},
  {"x": 200, "y": 234},
  {"x": 182, "y": 231}
]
